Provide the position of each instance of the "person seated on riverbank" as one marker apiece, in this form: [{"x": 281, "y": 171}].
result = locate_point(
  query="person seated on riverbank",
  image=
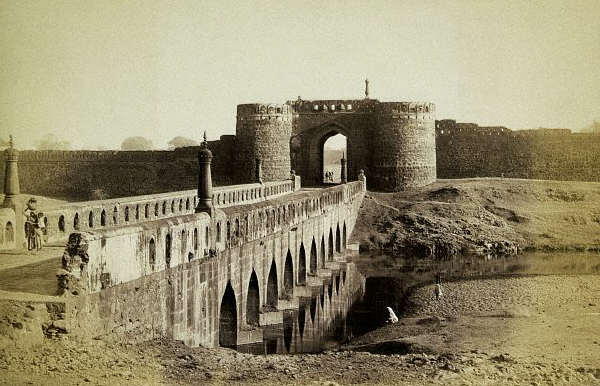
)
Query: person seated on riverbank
[
  {"x": 437, "y": 290},
  {"x": 392, "y": 318}
]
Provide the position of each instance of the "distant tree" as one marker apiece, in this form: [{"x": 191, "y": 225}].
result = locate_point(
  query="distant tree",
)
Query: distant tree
[
  {"x": 98, "y": 194},
  {"x": 52, "y": 142},
  {"x": 181, "y": 142},
  {"x": 593, "y": 128},
  {"x": 136, "y": 143}
]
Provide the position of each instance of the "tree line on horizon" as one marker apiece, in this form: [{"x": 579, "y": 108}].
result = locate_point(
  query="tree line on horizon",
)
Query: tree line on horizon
[{"x": 140, "y": 143}]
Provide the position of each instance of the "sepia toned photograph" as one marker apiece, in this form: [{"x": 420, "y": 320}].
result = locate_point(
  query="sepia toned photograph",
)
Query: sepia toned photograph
[{"x": 278, "y": 192}]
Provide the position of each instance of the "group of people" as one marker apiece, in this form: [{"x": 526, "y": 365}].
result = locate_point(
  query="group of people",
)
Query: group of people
[
  {"x": 34, "y": 226},
  {"x": 329, "y": 176}
]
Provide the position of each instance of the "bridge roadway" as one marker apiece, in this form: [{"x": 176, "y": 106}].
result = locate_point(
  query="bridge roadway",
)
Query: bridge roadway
[{"x": 220, "y": 279}]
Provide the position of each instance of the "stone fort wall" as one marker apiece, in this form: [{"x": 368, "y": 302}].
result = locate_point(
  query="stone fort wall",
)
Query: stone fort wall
[
  {"x": 85, "y": 175},
  {"x": 466, "y": 150}
]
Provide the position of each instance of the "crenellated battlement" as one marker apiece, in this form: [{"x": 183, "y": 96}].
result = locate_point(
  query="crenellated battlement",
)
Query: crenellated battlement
[
  {"x": 321, "y": 106},
  {"x": 339, "y": 106},
  {"x": 251, "y": 109}
]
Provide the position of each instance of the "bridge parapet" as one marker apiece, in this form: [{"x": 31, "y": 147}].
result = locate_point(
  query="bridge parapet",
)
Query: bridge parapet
[{"x": 103, "y": 214}]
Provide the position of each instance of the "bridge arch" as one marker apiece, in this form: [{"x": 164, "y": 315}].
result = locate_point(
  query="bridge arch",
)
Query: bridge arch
[
  {"x": 228, "y": 318},
  {"x": 302, "y": 265},
  {"x": 288, "y": 274},
  {"x": 330, "y": 245},
  {"x": 76, "y": 222},
  {"x": 272, "y": 287},
  {"x": 152, "y": 253},
  {"x": 252, "y": 301},
  {"x": 168, "y": 250},
  {"x": 338, "y": 239},
  {"x": 313, "y": 257},
  {"x": 9, "y": 232}
]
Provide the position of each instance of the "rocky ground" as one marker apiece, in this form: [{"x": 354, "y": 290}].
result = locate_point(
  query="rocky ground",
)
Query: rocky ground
[
  {"x": 518, "y": 330},
  {"x": 482, "y": 215}
]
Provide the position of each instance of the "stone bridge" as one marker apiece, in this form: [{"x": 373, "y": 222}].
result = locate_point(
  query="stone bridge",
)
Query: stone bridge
[{"x": 155, "y": 268}]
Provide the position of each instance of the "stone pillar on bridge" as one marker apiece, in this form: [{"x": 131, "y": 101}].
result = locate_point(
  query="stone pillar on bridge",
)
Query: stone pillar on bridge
[
  {"x": 11, "y": 192},
  {"x": 205, "y": 191},
  {"x": 11, "y": 176},
  {"x": 344, "y": 172}
]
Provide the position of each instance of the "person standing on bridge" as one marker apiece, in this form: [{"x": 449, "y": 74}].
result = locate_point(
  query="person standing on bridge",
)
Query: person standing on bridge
[{"x": 34, "y": 224}]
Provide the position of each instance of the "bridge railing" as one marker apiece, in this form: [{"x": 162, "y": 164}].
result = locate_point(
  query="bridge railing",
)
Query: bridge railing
[
  {"x": 130, "y": 251},
  {"x": 61, "y": 220},
  {"x": 260, "y": 221},
  {"x": 250, "y": 193}
]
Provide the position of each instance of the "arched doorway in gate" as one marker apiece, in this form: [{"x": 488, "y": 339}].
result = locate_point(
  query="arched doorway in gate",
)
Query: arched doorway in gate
[
  {"x": 315, "y": 150},
  {"x": 332, "y": 150},
  {"x": 228, "y": 319}
]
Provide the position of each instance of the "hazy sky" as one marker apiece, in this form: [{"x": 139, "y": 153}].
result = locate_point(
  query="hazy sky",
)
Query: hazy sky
[{"x": 95, "y": 72}]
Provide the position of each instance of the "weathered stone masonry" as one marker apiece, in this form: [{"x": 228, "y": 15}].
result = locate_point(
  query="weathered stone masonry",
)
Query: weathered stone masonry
[
  {"x": 162, "y": 278},
  {"x": 466, "y": 150}
]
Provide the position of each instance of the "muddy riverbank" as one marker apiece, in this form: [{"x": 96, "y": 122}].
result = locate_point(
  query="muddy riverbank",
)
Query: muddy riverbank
[
  {"x": 515, "y": 330},
  {"x": 482, "y": 216}
]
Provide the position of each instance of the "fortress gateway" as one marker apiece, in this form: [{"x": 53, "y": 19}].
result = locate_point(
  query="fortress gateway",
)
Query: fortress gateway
[{"x": 394, "y": 142}]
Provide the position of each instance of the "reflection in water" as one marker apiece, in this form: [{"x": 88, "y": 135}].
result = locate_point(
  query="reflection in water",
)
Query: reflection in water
[
  {"x": 388, "y": 282},
  {"x": 301, "y": 320},
  {"x": 288, "y": 329}
]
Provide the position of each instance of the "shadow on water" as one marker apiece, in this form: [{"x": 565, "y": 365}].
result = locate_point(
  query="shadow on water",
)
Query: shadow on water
[{"x": 388, "y": 283}]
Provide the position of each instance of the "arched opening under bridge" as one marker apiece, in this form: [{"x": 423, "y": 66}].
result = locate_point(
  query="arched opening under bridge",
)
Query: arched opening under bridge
[
  {"x": 228, "y": 319},
  {"x": 252, "y": 301}
]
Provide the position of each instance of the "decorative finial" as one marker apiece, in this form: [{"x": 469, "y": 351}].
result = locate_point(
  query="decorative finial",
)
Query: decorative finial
[
  {"x": 204, "y": 142},
  {"x": 11, "y": 142},
  {"x": 366, "y": 88}
]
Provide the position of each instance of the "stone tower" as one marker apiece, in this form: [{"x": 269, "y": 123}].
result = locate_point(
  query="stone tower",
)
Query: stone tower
[
  {"x": 263, "y": 134},
  {"x": 403, "y": 146}
]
